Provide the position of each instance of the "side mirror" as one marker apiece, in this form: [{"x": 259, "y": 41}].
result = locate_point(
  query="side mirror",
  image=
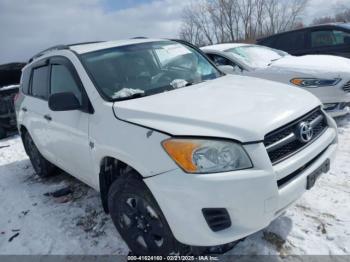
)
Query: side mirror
[
  {"x": 228, "y": 69},
  {"x": 64, "y": 102}
]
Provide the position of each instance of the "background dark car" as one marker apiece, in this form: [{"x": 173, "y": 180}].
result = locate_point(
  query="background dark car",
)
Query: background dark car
[
  {"x": 10, "y": 75},
  {"x": 330, "y": 39}
]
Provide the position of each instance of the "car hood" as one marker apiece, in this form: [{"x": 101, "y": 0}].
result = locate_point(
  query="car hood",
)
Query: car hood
[
  {"x": 237, "y": 107},
  {"x": 6, "y": 90},
  {"x": 313, "y": 63}
]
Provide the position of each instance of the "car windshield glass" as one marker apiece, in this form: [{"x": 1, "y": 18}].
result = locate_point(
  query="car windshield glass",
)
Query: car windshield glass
[
  {"x": 257, "y": 56},
  {"x": 143, "y": 69}
]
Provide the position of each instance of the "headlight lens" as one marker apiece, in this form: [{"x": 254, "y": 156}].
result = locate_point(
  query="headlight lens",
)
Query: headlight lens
[
  {"x": 314, "y": 82},
  {"x": 207, "y": 156}
]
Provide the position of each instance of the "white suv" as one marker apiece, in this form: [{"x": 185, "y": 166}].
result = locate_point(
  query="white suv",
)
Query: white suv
[{"x": 183, "y": 155}]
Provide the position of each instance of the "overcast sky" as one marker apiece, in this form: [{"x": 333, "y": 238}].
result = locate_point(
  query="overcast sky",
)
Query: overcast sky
[{"x": 28, "y": 26}]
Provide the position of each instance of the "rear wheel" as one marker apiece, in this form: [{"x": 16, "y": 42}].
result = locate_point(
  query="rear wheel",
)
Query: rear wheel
[
  {"x": 41, "y": 166},
  {"x": 139, "y": 220},
  {"x": 2, "y": 132}
]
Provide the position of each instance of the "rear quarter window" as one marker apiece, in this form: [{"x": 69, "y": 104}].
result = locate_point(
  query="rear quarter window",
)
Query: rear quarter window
[{"x": 25, "y": 80}]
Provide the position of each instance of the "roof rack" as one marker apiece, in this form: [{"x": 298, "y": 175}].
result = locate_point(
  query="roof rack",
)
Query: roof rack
[
  {"x": 86, "y": 43},
  {"x": 53, "y": 48},
  {"x": 139, "y": 37},
  {"x": 60, "y": 47}
]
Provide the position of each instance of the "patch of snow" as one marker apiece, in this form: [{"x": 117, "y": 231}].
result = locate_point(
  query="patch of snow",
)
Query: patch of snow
[
  {"x": 314, "y": 62},
  {"x": 318, "y": 223},
  {"x": 178, "y": 83},
  {"x": 126, "y": 92}
]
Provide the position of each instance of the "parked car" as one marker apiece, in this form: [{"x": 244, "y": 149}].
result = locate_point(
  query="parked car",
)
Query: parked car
[
  {"x": 327, "y": 39},
  {"x": 10, "y": 75},
  {"x": 7, "y": 109},
  {"x": 327, "y": 77},
  {"x": 185, "y": 157}
]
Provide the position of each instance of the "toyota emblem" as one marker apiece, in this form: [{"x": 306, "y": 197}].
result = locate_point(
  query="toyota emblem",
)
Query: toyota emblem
[{"x": 306, "y": 132}]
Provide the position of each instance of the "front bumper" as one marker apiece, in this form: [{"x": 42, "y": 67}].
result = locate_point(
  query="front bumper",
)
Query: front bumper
[
  {"x": 333, "y": 97},
  {"x": 251, "y": 197}
]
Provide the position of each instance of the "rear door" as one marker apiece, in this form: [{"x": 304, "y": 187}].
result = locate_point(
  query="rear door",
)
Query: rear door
[
  {"x": 69, "y": 130},
  {"x": 35, "y": 109},
  {"x": 329, "y": 41}
]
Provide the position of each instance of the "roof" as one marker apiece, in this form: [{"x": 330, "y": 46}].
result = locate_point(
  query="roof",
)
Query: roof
[
  {"x": 223, "y": 47},
  {"x": 344, "y": 25},
  {"x": 85, "y": 48}
]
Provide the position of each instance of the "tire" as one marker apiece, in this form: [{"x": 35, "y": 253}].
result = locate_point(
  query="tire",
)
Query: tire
[
  {"x": 139, "y": 220},
  {"x": 3, "y": 133},
  {"x": 42, "y": 167}
]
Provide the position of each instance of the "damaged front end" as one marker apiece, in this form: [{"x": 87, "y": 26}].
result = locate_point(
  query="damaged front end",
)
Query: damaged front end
[
  {"x": 10, "y": 75},
  {"x": 7, "y": 109}
]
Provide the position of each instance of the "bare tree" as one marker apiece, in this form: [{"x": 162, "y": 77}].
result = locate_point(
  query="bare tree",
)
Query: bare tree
[
  {"x": 260, "y": 16},
  {"x": 217, "y": 21},
  {"x": 342, "y": 16},
  {"x": 323, "y": 20},
  {"x": 283, "y": 16}
]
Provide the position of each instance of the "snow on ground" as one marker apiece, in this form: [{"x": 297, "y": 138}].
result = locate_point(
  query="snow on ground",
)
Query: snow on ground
[{"x": 32, "y": 223}]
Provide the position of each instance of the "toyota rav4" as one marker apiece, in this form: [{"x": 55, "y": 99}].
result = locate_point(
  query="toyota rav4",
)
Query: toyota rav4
[{"x": 184, "y": 156}]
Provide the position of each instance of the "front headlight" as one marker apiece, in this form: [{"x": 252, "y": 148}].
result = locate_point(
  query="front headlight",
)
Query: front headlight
[
  {"x": 207, "y": 156},
  {"x": 314, "y": 82}
]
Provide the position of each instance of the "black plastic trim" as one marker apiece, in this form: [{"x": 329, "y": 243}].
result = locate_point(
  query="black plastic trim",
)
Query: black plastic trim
[
  {"x": 283, "y": 181},
  {"x": 217, "y": 219}
]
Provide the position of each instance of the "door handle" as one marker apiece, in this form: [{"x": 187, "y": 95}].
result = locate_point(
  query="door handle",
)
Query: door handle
[
  {"x": 24, "y": 109},
  {"x": 47, "y": 117}
]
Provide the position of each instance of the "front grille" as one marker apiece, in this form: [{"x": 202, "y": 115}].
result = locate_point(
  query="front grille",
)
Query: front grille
[
  {"x": 217, "y": 218},
  {"x": 284, "y": 142},
  {"x": 346, "y": 87}
]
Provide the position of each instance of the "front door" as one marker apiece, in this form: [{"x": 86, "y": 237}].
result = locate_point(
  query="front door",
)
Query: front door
[{"x": 69, "y": 130}]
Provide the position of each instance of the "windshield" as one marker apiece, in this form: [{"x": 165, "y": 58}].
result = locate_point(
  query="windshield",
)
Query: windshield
[
  {"x": 257, "y": 56},
  {"x": 147, "y": 68}
]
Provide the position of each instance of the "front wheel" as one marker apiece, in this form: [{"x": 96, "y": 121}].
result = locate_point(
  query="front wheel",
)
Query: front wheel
[{"x": 139, "y": 220}]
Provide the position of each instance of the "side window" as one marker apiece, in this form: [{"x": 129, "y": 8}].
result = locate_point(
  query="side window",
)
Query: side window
[
  {"x": 329, "y": 38},
  {"x": 39, "y": 82},
  {"x": 268, "y": 42},
  {"x": 290, "y": 41},
  {"x": 220, "y": 60},
  {"x": 63, "y": 81}
]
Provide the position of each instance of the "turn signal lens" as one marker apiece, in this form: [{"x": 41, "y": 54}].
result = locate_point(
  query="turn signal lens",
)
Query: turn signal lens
[
  {"x": 181, "y": 152},
  {"x": 314, "y": 82},
  {"x": 297, "y": 81}
]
